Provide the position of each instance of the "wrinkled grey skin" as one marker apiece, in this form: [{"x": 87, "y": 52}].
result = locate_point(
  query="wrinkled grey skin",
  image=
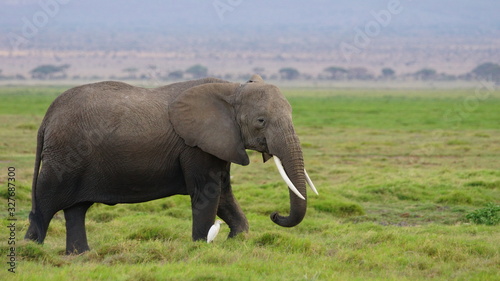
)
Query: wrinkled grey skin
[{"x": 113, "y": 143}]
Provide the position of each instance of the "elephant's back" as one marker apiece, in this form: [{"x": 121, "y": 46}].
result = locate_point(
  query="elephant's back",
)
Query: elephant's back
[
  {"x": 104, "y": 96},
  {"x": 112, "y": 115},
  {"x": 104, "y": 102}
]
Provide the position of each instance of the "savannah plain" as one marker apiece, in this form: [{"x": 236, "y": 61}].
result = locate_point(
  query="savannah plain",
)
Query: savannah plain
[
  {"x": 397, "y": 171},
  {"x": 407, "y": 169}
]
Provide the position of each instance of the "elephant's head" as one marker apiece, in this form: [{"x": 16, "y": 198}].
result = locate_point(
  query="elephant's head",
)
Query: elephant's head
[{"x": 224, "y": 119}]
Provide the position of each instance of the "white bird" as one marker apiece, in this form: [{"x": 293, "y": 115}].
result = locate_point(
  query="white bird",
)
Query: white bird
[{"x": 214, "y": 230}]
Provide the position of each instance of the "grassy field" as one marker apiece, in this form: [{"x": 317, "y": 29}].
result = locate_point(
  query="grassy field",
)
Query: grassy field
[{"x": 397, "y": 172}]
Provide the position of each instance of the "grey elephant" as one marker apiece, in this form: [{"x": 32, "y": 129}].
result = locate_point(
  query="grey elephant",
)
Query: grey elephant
[{"x": 111, "y": 143}]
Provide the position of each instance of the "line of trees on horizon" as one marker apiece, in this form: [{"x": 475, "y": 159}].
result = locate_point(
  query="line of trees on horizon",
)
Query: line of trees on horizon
[{"x": 489, "y": 71}]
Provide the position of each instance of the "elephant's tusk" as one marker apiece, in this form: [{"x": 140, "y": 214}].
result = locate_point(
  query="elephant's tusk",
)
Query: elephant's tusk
[
  {"x": 285, "y": 177},
  {"x": 309, "y": 181}
]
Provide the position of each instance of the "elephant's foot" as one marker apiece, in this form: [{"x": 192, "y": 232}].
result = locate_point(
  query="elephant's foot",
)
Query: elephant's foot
[
  {"x": 76, "y": 249},
  {"x": 76, "y": 236},
  {"x": 31, "y": 234},
  {"x": 235, "y": 231}
]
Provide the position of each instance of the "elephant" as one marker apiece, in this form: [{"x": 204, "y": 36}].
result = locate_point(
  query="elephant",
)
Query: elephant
[{"x": 111, "y": 142}]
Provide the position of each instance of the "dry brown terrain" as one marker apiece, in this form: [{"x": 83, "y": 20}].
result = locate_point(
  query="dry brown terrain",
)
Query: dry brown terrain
[{"x": 453, "y": 55}]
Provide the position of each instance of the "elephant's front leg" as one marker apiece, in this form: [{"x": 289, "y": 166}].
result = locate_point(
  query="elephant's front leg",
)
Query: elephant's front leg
[
  {"x": 202, "y": 173},
  {"x": 204, "y": 203},
  {"x": 229, "y": 210}
]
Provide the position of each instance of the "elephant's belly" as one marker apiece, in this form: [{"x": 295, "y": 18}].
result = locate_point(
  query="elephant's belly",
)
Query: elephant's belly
[{"x": 140, "y": 185}]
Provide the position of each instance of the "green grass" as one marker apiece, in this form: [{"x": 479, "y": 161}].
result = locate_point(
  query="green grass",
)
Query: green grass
[
  {"x": 398, "y": 171},
  {"x": 490, "y": 215}
]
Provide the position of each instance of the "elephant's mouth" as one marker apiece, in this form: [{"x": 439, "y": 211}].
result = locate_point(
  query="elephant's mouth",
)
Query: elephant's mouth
[{"x": 266, "y": 156}]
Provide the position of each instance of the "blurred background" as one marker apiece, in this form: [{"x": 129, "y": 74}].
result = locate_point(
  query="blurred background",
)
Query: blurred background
[{"x": 158, "y": 41}]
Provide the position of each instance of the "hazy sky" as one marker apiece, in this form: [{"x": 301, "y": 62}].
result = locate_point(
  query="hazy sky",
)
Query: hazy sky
[{"x": 452, "y": 14}]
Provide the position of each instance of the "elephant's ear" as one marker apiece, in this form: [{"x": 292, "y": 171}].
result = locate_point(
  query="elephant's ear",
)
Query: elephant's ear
[{"x": 204, "y": 117}]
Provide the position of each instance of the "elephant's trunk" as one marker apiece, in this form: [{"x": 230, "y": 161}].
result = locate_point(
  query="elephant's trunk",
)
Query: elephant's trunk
[{"x": 291, "y": 157}]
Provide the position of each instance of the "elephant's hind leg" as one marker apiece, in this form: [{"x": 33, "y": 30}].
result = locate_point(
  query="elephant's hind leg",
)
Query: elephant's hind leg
[
  {"x": 44, "y": 208},
  {"x": 76, "y": 237}
]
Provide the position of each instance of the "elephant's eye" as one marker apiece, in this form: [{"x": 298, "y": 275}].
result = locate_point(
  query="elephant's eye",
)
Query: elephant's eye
[{"x": 261, "y": 121}]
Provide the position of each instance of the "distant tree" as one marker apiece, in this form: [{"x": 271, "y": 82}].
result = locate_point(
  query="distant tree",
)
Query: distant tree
[
  {"x": 175, "y": 75},
  {"x": 335, "y": 72},
  {"x": 289, "y": 73},
  {"x": 489, "y": 71},
  {"x": 359, "y": 73},
  {"x": 131, "y": 72},
  {"x": 49, "y": 71},
  {"x": 388, "y": 72},
  {"x": 197, "y": 71},
  {"x": 426, "y": 74}
]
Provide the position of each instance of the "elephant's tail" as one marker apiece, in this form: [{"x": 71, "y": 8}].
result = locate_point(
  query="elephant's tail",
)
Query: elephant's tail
[
  {"x": 36, "y": 230},
  {"x": 36, "y": 171}
]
